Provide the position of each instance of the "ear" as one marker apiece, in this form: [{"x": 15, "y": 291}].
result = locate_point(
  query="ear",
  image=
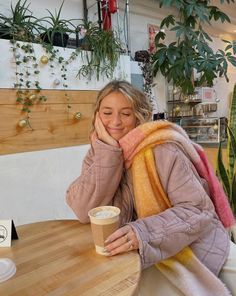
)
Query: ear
[{"x": 137, "y": 122}]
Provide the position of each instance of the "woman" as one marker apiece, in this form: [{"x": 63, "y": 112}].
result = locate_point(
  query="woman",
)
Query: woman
[{"x": 151, "y": 172}]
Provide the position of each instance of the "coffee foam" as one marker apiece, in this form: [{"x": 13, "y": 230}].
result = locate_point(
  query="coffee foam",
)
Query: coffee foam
[{"x": 105, "y": 214}]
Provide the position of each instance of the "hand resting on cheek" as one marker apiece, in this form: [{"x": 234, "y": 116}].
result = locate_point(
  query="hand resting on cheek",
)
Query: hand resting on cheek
[{"x": 102, "y": 133}]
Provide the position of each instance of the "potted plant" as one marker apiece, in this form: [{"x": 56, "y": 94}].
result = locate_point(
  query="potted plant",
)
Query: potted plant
[
  {"x": 144, "y": 59},
  {"x": 20, "y": 25},
  {"x": 102, "y": 49},
  {"x": 191, "y": 53},
  {"x": 57, "y": 32},
  {"x": 227, "y": 172}
]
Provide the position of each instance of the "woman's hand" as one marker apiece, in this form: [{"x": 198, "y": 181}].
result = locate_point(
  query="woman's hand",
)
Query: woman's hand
[
  {"x": 122, "y": 240},
  {"x": 102, "y": 133}
]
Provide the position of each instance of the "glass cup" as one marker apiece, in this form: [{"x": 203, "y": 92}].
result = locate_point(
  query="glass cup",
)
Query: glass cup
[{"x": 104, "y": 221}]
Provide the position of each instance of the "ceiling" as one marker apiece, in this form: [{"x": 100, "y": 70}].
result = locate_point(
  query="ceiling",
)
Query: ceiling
[{"x": 217, "y": 29}]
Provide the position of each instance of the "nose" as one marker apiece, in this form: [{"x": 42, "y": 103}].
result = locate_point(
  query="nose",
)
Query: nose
[{"x": 116, "y": 119}]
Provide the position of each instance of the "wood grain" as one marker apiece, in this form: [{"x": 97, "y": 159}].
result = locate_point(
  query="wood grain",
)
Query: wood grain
[
  {"x": 52, "y": 123},
  {"x": 58, "y": 258}
]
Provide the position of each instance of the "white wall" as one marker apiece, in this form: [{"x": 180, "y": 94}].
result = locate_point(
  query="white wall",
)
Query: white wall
[
  {"x": 33, "y": 184},
  {"x": 46, "y": 76}
]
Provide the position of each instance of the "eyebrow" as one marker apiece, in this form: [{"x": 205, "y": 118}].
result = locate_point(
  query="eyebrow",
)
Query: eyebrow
[{"x": 110, "y": 108}]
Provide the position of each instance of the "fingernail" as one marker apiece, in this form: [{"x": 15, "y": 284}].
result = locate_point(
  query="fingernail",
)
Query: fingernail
[
  {"x": 107, "y": 241},
  {"x": 106, "y": 251}
]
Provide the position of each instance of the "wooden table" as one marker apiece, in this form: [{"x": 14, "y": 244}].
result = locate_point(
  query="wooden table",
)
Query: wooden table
[{"x": 58, "y": 258}]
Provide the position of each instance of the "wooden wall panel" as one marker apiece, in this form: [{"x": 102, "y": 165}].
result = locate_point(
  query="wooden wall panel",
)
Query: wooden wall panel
[{"x": 53, "y": 124}]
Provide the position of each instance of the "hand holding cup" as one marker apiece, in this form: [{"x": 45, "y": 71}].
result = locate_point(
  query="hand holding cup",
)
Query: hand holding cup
[{"x": 104, "y": 221}]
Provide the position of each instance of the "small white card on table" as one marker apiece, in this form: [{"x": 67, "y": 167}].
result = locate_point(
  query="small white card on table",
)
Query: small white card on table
[{"x": 7, "y": 233}]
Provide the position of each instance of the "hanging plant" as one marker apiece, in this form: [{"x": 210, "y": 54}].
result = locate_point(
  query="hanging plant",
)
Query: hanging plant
[
  {"x": 144, "y": 59},
  {"x": 26, "y": 68},
  {"x": 227, "y": 172},
  {"x": 101, "y": 51},
  {"x": 55, "y": 60}
]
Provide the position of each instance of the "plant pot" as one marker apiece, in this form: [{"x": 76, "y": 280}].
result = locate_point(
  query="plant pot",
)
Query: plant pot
[
  {"x": 4, "y": 33},
  {"x": 59, "y": 39}
]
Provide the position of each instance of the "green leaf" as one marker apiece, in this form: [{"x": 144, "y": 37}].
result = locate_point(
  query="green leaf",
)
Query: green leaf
[
  {"x": 167, "y": 21},
  {"x": 233, "y": 194},
  {"x": 159, "y": 35},
  {"x": 171, "y": 55},
  {"x": 233, "y": 141},
  {"x": 176, "y": 28},
  {"x": 232, "y": 60},
  {"x": 193, "y": 49},
  {"x": 179, "y": 32},
  {"x": 165, "y": 3},
  {"x": 224, "y": 17},
  {"x": 189, "y": 10},
  {"x": 221, "y": 172},
  {"x": 228, "y": 47},
  {"x": 207, "y": 36},
  {"x": 162, "y": 56},
  {"x": 226, "y": 41}
]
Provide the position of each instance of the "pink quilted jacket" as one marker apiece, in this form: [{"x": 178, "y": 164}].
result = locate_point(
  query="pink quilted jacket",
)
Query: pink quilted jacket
[{"x": 191, "y": 221}]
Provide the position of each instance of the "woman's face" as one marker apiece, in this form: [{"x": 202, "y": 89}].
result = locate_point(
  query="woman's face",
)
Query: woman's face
[{"x": 117, "y": 115}]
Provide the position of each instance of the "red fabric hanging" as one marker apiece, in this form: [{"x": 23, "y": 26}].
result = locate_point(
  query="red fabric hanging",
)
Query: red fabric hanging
[
  {"x": 112, "y": 6},
  {"x": 108, "y": 7},
  {"x": 106, "y": 15}
]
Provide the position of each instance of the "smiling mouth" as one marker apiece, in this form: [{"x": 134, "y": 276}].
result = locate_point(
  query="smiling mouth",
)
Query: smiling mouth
[{"x": 115, "y": 129}]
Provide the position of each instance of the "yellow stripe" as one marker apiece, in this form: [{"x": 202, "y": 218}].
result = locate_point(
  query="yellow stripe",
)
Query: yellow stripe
[{"x": 150, "y": 197}]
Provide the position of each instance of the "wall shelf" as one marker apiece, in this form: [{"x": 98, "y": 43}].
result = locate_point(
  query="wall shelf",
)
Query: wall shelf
[{"x": 183, "y": 102}]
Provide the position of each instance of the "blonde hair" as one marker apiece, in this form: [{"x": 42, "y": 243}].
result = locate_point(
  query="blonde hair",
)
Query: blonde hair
[{"x": 142, "y": 109}]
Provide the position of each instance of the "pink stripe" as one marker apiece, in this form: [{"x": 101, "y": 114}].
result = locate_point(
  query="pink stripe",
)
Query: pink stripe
[
  {"x": 217, "y": 193},
  {"x": 130, "y": 141}
]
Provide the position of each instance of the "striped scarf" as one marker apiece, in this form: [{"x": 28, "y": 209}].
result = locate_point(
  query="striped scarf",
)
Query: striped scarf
[{"x": 184, "y": 269}]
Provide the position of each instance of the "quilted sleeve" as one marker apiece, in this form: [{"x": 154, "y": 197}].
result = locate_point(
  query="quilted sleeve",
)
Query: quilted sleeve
[{"x": 98, "y": 182}]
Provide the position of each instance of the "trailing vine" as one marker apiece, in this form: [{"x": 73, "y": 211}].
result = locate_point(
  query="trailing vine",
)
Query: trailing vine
[
  {"x": 145, "y": 64},
  {"x": 27, "y": 90},
  {"x": 54, "y": 60},
  {"x": 27, "y": 69}
]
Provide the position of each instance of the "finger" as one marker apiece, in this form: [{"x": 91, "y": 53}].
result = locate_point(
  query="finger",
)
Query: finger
[
  {"x": 120, "y": 241},
  {"x": 116, "y": 243},
  {"x": 131, "y": 246},
  {"x": 96, "y": 122},
  {"x": 102, "y": 133},
  {"x": 118, "y": 233},
  {"x": 123, "y": 244},
  {"x": 100, "y": 128},
  {"x": 93, "y": 136},
  {"x": 97, "y": 119},
  {"x": 114, "y": 250}
]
